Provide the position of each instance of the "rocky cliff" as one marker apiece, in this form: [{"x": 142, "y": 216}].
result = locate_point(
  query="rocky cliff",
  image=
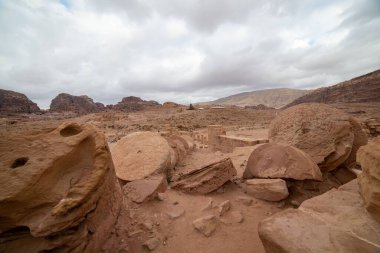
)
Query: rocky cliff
[
  {"x": 14, "y": 102},
  {"x": 361, "y": 89},
  {"x": 132, "y": 104},
  {"x": 78, "y": 104}
]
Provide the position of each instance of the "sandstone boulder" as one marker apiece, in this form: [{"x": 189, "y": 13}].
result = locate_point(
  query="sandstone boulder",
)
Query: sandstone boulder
[
  {"x": 206, "y": 225},
  {"x": 141, "y": 154},
  {"x": 273, "y": 160},
  {"x": 323, "y": 132},
  {"x": 145, "y": 189},
  {"x": 267, "y": 189},
  {"x": 369, "y": 179},
  {"x": 14, "y": 102},
  {"x": 59, "y": 191},
  {"x": 206, "y": 179},
  {"x": 335, "y": 221},
  {"x": 78, "y": 104}
]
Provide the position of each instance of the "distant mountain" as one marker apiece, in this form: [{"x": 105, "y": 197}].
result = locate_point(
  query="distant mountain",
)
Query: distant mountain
[
  {"x": 79, "y": 104},
  {"x": 14, "y": 102},
  {"x": 134, "y": 104},
  {"x": 365, "y": 88},
  {"x": 275, "y": 98}
]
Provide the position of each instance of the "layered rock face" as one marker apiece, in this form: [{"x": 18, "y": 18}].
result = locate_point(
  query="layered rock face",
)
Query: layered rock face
[
  {"x": 78, "y": 104},
  {"x": 361, "y": 89},
  {"x": 369, "y": 179},
  {"x": 328, "y": 135},
  {"x": 59, "y": 191},
  {"x": 133, "y": 104},
  {"x": 272, "y": 160},
  {"x": 14, "y": 102}
]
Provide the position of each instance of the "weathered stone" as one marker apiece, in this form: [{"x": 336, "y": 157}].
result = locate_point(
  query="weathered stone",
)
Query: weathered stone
[
  {"x": 332, "y": 222},
  {"x": 152, "y": 243},
  {"x": 139, "y": 155},
  {"x": 209, "y": 204},
  {"x": 245, "y": 200},
  {"x": 323, "y": 132},
  {"x": 267, "y": 189},
  {"x": 206, "y": 225},
  {"x": 145, "y": 189},
  {"x": 273, "y": 160},
  {"x": 224, "y": 207},
  {"x": 63, "y": 185},
  {"x": 78, "y": 104},
  {"x": 369, "y": 179},
  {"x": 174, "y": 213},
  {"x": 206, "y": 179},
  {"x": 133, "y": 104}
]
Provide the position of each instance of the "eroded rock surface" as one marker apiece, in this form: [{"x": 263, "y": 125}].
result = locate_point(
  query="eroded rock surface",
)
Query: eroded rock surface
[
  {"x": 325, "y": 133},
  {"x": 206, "y": 179},
  {"x": 78, "y": 104},
  {"x": 273, "y": 160},
  {"x": 141, "y": 154},
  {"x": 145, "y": 189},
  {"x": 369, "y": 179},
  {"x": 332, "y": 222},
  {"x": 59, "y": 191}
]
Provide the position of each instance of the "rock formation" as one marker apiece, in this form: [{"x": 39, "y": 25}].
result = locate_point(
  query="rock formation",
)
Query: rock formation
[
  {"x": 273, "y": 160},
  {"x": 365, "y": 88},
  {"x": 267, "y": 189},
  {"x": 335, "y": 221},
  {"x": 14, "y": 102},
  {"x": 141, "y": 154},
  {"x": 328, "y": 135},
  {"x": 59, "y": 192},
  {"x": 133, "y": 104},
  {"x": 206, "y": 179},
  {"x": 369, "y": 179},
  {"x": 78, "y": 104}
]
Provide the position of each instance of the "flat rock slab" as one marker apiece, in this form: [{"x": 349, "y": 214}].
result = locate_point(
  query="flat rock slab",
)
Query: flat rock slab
[
  {"x": 141, "y": 154},
  {"x": 145, "y": 189},
  {"x": 205, "y": 179},
  {"x": 332, "y": 222},
  {"x": 267, "y": 189}
]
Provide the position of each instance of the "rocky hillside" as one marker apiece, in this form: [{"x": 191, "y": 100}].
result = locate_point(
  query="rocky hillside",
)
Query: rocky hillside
[
  {"x": 361, "y": 89},
  {"x": 276, "y": 98},
  {"x": 14, "y": 102},
  {"x": 133, "y": 104},
  {"x": 78, "y": 104}
]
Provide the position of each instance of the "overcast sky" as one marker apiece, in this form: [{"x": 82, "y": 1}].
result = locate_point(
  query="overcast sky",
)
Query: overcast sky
[{"x": 182, "y": 50}]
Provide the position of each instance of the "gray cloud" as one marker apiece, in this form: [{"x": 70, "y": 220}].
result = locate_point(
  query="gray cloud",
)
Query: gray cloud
[{"x": 184, "y": 51}]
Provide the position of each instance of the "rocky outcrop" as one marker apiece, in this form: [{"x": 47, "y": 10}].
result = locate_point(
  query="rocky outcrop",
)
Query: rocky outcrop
[
  {"x": 133, "y": 104},
  {"x": 369, "y": 179},
  {"x": 59, "y": 191},
  {"x": 14, "y": 102},
  {"x": 206, "y": 179},
  {"x": 258, "y": 107},
  {"x": 333, "y": 222},
  {"x": 361, "y": 89},
  {"x": 327, "y": 134},
  {"x": 267, "y": 189},
  {"x": 373, "y": 127},
  {"x": 141, "y": 154},
  {"x": 78, "y": 104},
  {"x": 273, "y": 160}
]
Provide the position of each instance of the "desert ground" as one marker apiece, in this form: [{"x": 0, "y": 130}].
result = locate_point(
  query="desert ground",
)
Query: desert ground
[{"x": 164, "y": 222}]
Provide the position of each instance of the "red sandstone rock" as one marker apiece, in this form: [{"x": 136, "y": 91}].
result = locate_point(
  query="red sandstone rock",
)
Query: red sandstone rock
[
  {"x": 59, "y": 191},
  {"x": 14, "y": 102}
]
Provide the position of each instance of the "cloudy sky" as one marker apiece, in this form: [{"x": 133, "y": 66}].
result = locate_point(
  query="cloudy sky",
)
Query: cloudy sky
[{"x": 182, "y": 50}]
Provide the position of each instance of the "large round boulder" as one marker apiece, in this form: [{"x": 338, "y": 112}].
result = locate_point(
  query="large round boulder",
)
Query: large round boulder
[
  {"x": 271, "y": 160},
  {"x": 141, "y": 154},
  {"x": 327, "y": 134}
]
